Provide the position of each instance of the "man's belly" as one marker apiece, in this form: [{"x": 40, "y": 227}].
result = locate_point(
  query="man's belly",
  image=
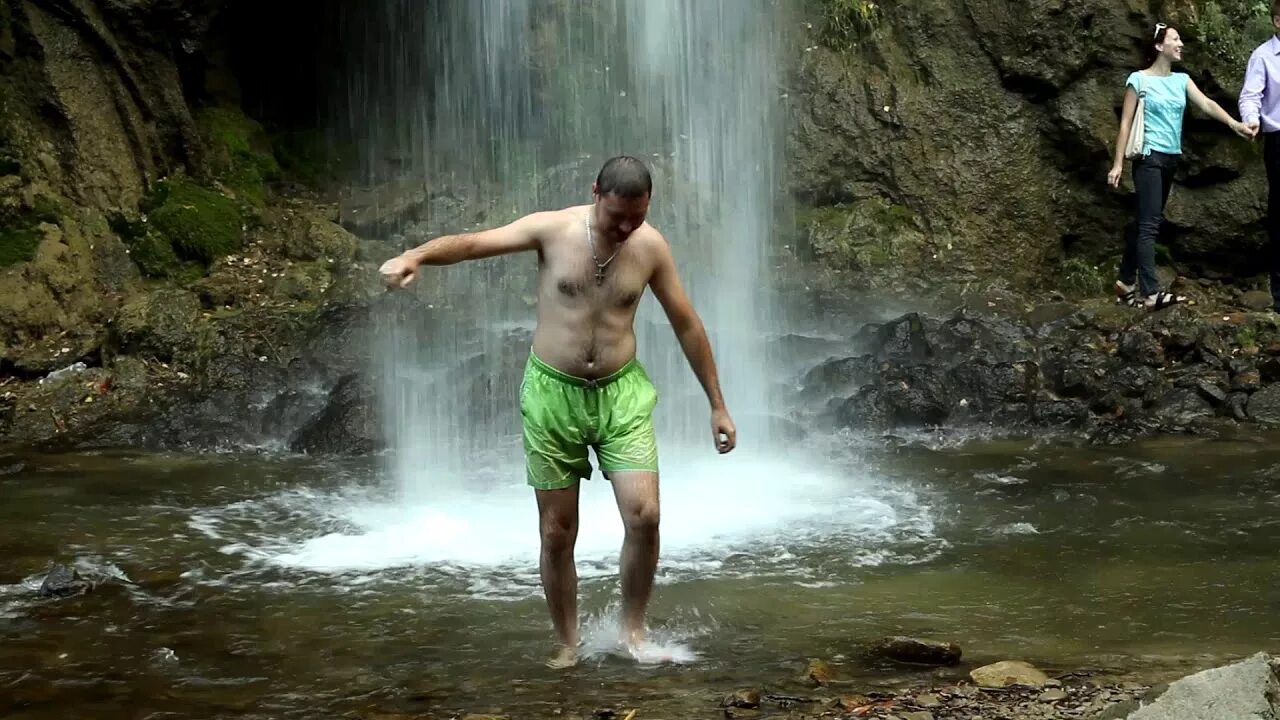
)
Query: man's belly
[{"x": 585, "y": 351}]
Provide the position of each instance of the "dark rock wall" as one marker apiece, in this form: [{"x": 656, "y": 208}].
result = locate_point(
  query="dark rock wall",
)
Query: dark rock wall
[{"x": 988, "y": 127}]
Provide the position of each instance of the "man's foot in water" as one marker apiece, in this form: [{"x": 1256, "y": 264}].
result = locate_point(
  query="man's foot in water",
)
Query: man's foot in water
[
  {"x": 566, "y": 657},
  {"x": 643, "y": 651}
]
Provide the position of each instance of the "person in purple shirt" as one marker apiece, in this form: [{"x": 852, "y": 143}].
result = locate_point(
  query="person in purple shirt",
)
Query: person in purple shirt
[{"x": 1260, "y": 111}]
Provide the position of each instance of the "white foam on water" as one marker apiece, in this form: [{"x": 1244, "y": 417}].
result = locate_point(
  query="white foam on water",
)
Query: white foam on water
[{"x": 734, "y": 515}]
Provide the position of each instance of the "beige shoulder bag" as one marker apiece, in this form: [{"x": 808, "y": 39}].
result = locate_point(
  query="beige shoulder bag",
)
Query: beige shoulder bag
[{"x": 1137, "y": 130}]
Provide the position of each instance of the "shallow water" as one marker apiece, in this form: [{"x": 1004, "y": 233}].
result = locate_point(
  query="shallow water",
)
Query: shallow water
[{"x": 261, "y": 586}]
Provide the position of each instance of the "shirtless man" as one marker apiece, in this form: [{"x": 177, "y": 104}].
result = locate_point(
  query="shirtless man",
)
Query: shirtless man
[{"x": 583, "y": 386}]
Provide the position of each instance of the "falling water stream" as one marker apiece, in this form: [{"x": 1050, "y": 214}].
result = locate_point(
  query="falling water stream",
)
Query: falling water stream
[{"x": 526, "y": 101}]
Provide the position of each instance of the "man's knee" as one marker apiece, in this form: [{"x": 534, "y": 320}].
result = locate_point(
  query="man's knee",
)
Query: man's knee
[
  {"x": 558, "y": 531},
  {"x": 641, "y": 517}
]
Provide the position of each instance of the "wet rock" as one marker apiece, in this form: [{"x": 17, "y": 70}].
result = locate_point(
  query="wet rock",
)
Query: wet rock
[
  {"x": 63, "y": 581},
  {"x": 916, "y": 651},
  {"x": 984, "y": 387},
  {"x": 1132, "y": 380},
  {"x": 1140, "y": 346},
  {"x": 1061, "y": 413},
  {"x": 1052, "y": 695},
  {"x": 928, "y": 700},
  {"x": 1008, "y": 672},
  {"x": 916, "y": 715},
  {"x": 1237, "y": 406},
  {"x": 347, "y": 425},
  {"x": 1211, "y": 389},
  {"x": 1183, "y": 406},
  {"x": 1248, "y": 689},
  {"x": 1247, "y": 380},
  {"x": 838, "y": 377},
  {"x": 1269, "y": 368},
  {"x": 743, "y": 698},
  {"x": 918, "y": 397},
  {"x": 819, "y": 673},
  {"x": 1264, "y": 405},
  {"x": 904, "y": 340}
]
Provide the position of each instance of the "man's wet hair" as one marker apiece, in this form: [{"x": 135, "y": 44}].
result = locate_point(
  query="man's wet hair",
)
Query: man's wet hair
[{"x": 624, "y": 176}]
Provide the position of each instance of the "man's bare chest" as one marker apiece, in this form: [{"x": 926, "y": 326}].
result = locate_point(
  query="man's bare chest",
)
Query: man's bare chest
[{"x": 578, "y": 279}]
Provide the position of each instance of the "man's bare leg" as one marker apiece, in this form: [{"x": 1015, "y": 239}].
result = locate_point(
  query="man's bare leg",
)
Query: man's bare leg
[
  {"x": 558, "y": 528},
  {"x": 637, "y": 496}
]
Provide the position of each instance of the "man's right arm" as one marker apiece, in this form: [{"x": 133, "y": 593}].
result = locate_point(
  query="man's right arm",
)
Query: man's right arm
[
  {"x": 1255, "y": 82},
  {"x": 526, "y": 233}
]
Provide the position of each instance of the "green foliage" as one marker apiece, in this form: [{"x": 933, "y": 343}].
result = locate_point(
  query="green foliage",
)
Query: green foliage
[
  {"x": 20, "y": 233},
  {"x": 845, "y": 22},
  {"x": 1228, "y": 31},
  {"x": 1082, "y": 278},
  {"x": 1247, "y": 336}
]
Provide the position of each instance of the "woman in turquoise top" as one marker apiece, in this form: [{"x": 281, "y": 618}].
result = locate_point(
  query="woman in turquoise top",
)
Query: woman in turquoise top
[{"x": 1166, "y": 95}]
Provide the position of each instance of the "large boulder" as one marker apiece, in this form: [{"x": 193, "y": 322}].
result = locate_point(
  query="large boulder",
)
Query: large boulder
[
  {"x": 1246, "y": 690},
  {"x": 349, "y": 423}
]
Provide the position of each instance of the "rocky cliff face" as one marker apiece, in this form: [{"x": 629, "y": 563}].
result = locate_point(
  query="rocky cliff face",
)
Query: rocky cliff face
[
  {"x": 168, "y": 266},
  {"x": 969, "y": 140}
]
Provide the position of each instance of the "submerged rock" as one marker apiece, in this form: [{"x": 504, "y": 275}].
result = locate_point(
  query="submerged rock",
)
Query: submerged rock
[
  {"x": 745, "y": 698},
  {"x": 63, "y": 581},
  {"x": 915, "y": 651}
]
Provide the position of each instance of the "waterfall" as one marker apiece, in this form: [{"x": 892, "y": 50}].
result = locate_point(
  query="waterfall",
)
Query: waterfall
[{"x": 512, "y": 106}]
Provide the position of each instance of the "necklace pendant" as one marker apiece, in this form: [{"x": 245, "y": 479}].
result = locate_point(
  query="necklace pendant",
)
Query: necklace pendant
[{"x": 599, "y": 277}]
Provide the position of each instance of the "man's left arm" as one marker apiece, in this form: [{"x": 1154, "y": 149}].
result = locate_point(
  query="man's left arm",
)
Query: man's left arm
[{"x": 692, "y": 336}]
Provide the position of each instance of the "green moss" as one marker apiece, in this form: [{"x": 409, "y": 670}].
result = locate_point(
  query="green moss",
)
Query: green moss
[
  {"x": 152, "y": 253},
  {"x": 846, "y": 22},
  {"x": 869, "y": 234},
  {"x": 1247, "y": 336},
  {"x": 18, "y": 244},
  {"x": 20, "y": 234},
  {"x": 241, "y": 156},
  {"x": 199, "y": 224}
]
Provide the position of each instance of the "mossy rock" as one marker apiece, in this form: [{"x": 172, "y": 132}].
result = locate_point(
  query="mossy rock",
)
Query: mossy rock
[
  {"x": 307, "y": 236},
  {"x": 165, "y": 324},
  {"x": 199, "y": 224},
  {"x": 20, "y": 232},
  {"x": 865, "y": 235},
  {"x": 304, "y": 282},
  {"x": 240, "y": 151}
]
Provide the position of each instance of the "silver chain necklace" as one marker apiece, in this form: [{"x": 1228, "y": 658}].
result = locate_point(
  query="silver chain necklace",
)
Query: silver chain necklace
[{"x": 600, "y": 266}]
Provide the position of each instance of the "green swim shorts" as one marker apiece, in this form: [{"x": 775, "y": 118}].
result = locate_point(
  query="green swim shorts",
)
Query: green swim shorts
[{"x": 564, "y": 415}]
